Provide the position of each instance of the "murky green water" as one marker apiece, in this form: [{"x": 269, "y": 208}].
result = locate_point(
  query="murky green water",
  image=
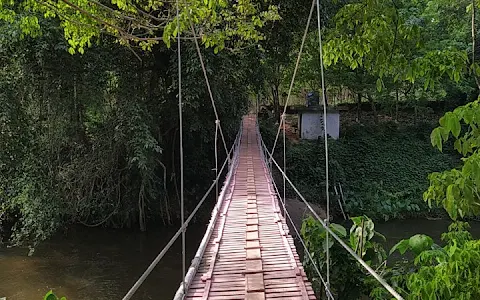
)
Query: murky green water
[
  {"x": 103, "y": 264},
  {"x": 400, "y": 229},
  {"x": 96, "y": 264}
]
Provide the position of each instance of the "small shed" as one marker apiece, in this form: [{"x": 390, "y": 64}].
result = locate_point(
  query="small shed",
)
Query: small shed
[{"x": 310, "y": 123}]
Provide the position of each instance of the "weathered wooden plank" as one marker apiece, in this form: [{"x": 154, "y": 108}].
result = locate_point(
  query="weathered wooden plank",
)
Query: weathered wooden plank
[
  {"x": 255, "y": 296},
  {"x": 255, "y": 282},
  {"x": 253, "y": 254}
]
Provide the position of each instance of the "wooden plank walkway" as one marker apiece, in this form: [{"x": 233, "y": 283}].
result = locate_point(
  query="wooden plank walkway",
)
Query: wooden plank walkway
[{"x": 250, "y": 254}]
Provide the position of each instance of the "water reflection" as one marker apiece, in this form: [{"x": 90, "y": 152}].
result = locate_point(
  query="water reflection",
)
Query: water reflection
[
  {"x": 103, "y": 264},
  {"x": 96, "y": 264},
  {"x": 396, "y": 230}
]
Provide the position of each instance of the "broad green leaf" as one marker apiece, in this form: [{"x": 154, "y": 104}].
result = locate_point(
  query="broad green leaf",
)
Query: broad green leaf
[
  {"x": 419, "y": 243},
  {"x": 338, "y": 229},
  {"x": 458, "y": 146},
  {"x": 436, "y": 138},
  {"x": 401, "y": 246},
  {"x": 50, "y": 296},
  {"x": 450, "y": 203},
  {"x": 453, "y": 124},
  {"x": 379, "y": 85}
]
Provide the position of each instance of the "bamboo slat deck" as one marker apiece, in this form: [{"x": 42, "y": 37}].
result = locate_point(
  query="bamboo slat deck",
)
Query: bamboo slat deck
[{"x": 250, "y": 254}]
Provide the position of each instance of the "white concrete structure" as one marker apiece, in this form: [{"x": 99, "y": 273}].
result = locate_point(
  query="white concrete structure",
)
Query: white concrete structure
[{"x": 311, "y": 124}]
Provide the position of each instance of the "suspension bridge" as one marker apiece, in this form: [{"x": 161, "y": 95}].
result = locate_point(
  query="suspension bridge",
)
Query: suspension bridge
[{"x": 247, "y": 251}]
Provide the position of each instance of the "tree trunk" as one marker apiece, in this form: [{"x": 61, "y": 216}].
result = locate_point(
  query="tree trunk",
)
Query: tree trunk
[
  {"x": 374, "y": 109},
  {"x": 474, "y": 36},
  {"x": 359, "y": 104},
  {"x": 276, "y": 102},
  {"x": 415, "y": 109},
  {"x": 396, "y": 105}
]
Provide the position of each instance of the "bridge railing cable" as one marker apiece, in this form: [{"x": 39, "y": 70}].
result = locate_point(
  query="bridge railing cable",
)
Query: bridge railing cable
[
  {"x": 270, "y": 179},
  {"x": 234, "y": 150},
  {"x": 325, "y": 135},
  {"x": 180, "y": 121},
  {"x": 297, "y": 64},
  {"x": 180, "y": 294},
  {"x": 330, "y": 231},
  {"x": 207, "y": 82},
  {"x": 372, "y": 272}
]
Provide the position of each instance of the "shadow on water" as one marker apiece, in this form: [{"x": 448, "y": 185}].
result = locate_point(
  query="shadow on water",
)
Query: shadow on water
[{"x": 93, "y": 263}]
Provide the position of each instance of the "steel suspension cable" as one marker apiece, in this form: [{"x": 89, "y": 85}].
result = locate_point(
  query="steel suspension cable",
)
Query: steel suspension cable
[
  {"x": 167, "y": 247},
  {"x": 327, "y": 289},
  {"x": 218, "y": 173},
  {"x": 295, "y": 72},
  {"x": 339, "y": 240},
  {"x": 207, "y": 81},
  {"x": 270, "y": 178},
  {"x": 217, "y": 123},
  {"x": 180, "y": 120},
  {"x": 325, "y": 135},
  {"x": 181, "y": 292},
  {"x": 284, "y": 166}
]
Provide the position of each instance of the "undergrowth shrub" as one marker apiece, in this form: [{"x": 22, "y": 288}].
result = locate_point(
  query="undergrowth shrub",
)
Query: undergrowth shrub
[
  {"x": 51, "y": 296},
  {"x": 382, "y": 169},
  {"x": 362, "y": 238}
]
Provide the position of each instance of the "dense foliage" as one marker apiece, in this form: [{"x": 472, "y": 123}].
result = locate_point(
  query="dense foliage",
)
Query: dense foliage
[
  {"x": 435, "y": 272},
  {"x": 395, "y": 53},
  {"x": 382, "y": 169},
  {"x": 362, "y": 238},
  {"x": 89, "y": 128},
  {"x": 448, "y": 272},
  {"x": 141, "y": 23},
  {"x": 457, "y": 189},
  {"x": 93, "y": 138}
]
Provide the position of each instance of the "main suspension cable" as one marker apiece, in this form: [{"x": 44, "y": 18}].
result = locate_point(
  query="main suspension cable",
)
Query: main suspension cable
[
  {"x": 295, "y": 72},
  {"x": 217, "y": 124},
  {"x": 167, "y": 247},
  {"x": 325, "y": 136},
  {"x": 339, "y": 240},
  {"x": 327, "y": 289},
  {"x": 207, "y": 81},
  {"x": 180, "y": 120},
  {"x": 284, "y": 165}
]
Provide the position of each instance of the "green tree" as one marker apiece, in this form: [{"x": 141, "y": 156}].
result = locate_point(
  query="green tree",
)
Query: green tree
[
  {"x": 457, "y": 189},
  {"x": 391, "y": 42},
  {"x": 282, "y": 38},
  {"x": 143, "y": 23},
  {"x": 93, "y": 138}
]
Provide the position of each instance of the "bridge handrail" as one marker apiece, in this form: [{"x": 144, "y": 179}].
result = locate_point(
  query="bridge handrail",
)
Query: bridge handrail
[
  {"x": 327, "y": 228},
  {"x": 167, "y": 247},
  {"x": 180, "y": 294}
]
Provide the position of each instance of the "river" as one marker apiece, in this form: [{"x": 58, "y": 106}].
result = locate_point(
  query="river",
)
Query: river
[{"x": 93, "y": 263}]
